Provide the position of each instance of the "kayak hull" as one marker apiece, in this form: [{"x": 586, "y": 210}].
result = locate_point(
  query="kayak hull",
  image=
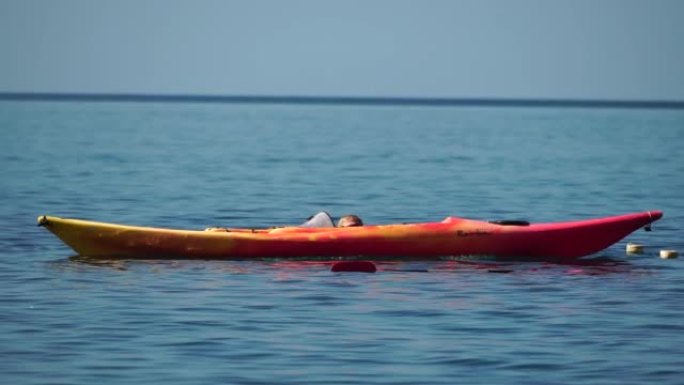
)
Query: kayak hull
[{"x": 451, "y": 237}]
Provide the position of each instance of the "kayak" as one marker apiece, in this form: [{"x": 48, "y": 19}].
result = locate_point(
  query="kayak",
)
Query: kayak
[{"x": 451, "y": 237}]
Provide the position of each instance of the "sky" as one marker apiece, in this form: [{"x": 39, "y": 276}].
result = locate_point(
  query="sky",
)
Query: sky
[{"x": 574, "y": 49}]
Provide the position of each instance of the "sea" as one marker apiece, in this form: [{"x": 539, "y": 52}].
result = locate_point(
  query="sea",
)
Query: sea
[{"x": 611, "y": 318}]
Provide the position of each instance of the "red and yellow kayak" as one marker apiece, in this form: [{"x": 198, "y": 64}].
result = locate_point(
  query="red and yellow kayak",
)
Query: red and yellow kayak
[{"x": 450, "y": 237}]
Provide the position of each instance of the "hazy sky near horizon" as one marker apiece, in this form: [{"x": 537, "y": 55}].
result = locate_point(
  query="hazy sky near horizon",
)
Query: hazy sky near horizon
[{"x": 587, "y": 49}]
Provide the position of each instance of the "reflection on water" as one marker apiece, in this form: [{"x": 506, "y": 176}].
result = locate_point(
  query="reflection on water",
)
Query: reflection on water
[{"x": 586, "y": 266}]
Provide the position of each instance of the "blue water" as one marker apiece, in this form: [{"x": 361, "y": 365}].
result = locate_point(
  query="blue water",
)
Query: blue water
[{"x": 616, "y": 319}]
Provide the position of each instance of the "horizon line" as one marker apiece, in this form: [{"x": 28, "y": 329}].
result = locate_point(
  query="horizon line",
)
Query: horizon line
[{"x": 340, "y": 100}]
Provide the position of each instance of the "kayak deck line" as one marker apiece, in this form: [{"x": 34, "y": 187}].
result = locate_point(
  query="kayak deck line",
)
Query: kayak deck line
[{"x": 453, "y": 236}]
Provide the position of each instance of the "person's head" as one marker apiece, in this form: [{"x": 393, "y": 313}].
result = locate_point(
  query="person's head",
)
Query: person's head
[{"x": 349, "y": 221}]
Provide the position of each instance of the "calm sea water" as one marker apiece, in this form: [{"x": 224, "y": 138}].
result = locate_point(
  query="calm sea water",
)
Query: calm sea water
[{"x": 616, "y": 319}]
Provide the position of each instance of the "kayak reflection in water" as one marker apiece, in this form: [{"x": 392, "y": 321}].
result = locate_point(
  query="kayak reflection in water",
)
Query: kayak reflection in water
[
  {"x": 321, "y": 219},
  {"x": 324, "y": 219}
]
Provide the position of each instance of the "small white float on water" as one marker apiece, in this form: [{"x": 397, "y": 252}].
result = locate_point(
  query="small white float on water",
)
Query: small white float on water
[
  {"x": 634, "y": 248},
  {"x": 668, "y": 254}
]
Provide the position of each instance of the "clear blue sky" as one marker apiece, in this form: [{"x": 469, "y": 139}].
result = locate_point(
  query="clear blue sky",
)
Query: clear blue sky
[{"x": 587, "y": 49}]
